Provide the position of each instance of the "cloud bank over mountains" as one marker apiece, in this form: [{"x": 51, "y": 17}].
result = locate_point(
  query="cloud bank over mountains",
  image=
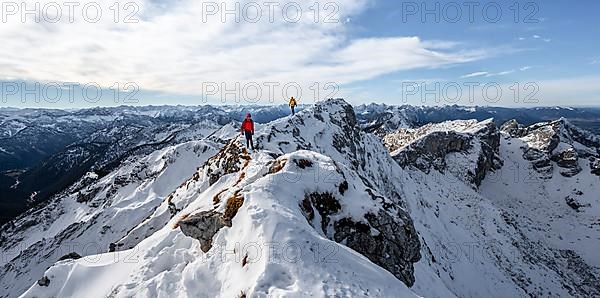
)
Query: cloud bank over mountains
[{"x": 175, "y": 47}]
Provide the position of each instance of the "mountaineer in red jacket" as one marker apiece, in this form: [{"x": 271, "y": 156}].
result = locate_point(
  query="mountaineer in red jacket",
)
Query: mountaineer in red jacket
[{"x": 248, "y": 130}]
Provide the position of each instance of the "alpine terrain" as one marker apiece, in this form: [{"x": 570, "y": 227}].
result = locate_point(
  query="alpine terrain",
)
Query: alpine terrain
[{"x": 336, "y": 200}]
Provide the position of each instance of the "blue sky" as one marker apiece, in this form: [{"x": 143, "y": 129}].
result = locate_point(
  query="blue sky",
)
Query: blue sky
[
  {"x": 552, "y": 44},
  {"x": 371, "y": 50}
]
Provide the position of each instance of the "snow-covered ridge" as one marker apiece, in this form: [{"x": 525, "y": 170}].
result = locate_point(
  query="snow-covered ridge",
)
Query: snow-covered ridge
[
  {"x": 39, "y": 144},
  {"x": 270, "y": 249},
  {"x": 282, "y": 194},
  {"x": 467, "y": 149},
  {"x": 404, "y": 136}
]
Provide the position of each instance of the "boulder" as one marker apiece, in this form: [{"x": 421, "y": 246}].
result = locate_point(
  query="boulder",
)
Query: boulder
[
  {"x": 575, "y": 204},
  {"x": 70, "y": 256},
  {"x": 203, "y": 226},
  {"x": 44, "y": 281}
]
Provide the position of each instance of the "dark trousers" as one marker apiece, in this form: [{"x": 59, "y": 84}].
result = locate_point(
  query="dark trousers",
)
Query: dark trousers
[
  {"x": 249, "y": 143},
  {"x": 293, "y": 110}
]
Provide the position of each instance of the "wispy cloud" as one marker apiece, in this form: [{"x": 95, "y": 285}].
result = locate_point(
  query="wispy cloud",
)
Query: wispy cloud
[
  {"x": 475, "y": 74},
  {"x": 503, "y": 73},
  {"x": 493, "y": 74},
  {"x": 538, "y": 37},
  {"x": 423, "y": 80}
]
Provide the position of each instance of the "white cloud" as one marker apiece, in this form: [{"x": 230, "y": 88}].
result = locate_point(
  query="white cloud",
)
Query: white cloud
[
  {"x": 524, "y": 68},
  {"x": 486, "y": 74},
  {"x": 503, "y": 73},
  {"x": 475, "y": 74},
  {"x": 540, "y": 37},
  {"x": 172, "y": 50}
]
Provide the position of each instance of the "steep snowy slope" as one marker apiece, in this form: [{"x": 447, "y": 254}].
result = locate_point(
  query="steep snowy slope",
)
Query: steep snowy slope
[
  {"x": 93, "y": 213},
  {"x": 475, "y": 244},
  {"x": 558, "y": 203},
  {"x": 270, "y": 249},
  {"x": 285, "y": 220}
]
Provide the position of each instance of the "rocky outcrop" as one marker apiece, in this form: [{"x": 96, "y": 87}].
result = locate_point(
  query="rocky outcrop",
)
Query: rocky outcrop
[
  {"x": 203, "y": 226},
  {"x": 431, "y": 150},
  {"x": 574, "y": 203},
  {"x": 44, "y": 281},
  {"x": 228, "y": 160},
  {"x": 568, "y": 161},
  {"x": 558, "y": 143},
  {"x": 513, "y": 128},
  {"x": 387, "y": 238},
  {"x": 394, "y": 246},
  {"x": 432, "y": 147},
  {"x": 595, "y": 165},
  {"x": 540, "y": 162},
  {"x": 325, "y": 204},
  {"x": 70, "y": 256}
]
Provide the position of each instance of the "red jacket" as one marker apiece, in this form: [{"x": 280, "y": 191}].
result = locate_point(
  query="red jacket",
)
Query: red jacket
[{"x": 248, "y": 125}]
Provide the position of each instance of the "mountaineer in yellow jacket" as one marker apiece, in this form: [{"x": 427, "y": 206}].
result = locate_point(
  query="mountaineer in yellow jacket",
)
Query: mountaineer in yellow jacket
[{"x": 293, "y": 104}]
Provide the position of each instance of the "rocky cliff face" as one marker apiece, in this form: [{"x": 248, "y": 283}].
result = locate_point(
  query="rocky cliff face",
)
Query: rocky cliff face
[
  {"x": 464, "y": 147},
  {"x": 557, "y": 143}
]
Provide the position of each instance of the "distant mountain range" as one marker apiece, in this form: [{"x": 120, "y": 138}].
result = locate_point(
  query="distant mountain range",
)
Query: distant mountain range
[{"x": 42, "y": 151}]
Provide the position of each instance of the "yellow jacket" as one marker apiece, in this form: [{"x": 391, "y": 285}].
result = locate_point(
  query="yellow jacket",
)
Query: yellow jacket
[{"x": 292, "y": 102}]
